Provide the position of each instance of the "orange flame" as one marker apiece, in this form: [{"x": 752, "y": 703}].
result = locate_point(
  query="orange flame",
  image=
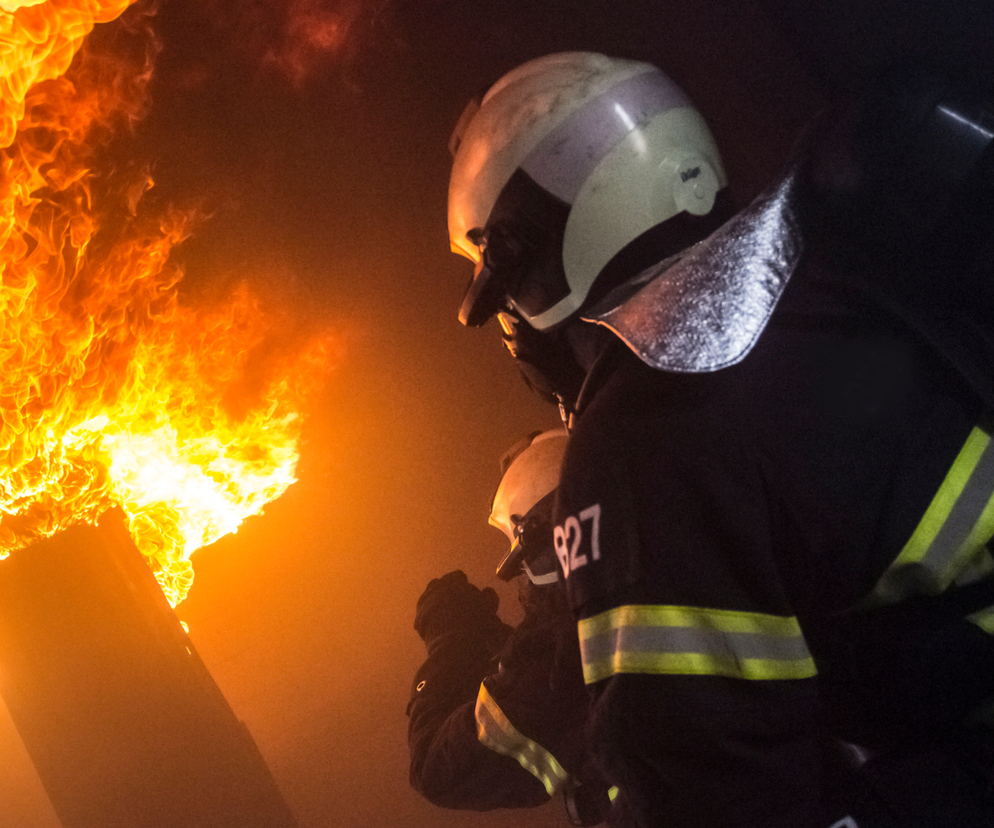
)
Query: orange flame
[
  {"x": 112, "y": 392},
  {"x": 37, "y": 42}
]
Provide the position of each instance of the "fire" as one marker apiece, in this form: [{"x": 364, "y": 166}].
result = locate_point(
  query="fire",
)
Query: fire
[
  {"x": 37, "y": 42},
  {"x": 113, "y": 392}
]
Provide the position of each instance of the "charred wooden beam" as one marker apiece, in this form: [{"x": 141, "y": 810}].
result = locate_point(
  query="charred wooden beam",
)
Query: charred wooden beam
[{"x": 124, "y": 723}]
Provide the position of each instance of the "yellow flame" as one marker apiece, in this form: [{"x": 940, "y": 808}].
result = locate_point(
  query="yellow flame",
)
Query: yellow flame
[{"x": 112, "y": 392}]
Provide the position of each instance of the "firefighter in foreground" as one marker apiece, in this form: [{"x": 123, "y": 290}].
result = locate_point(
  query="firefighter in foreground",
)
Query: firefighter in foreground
[
  {"x": 778, "y": 494},
  {"x": 497, "y": 714}
]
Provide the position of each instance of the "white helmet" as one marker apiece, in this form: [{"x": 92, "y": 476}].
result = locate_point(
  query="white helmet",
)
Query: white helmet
[
  {"x": 522, "y": 505},
  {"x": 588, "y": 150}
]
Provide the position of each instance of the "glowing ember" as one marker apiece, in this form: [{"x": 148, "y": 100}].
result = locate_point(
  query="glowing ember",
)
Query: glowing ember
[{"x": 112, "y": 392}]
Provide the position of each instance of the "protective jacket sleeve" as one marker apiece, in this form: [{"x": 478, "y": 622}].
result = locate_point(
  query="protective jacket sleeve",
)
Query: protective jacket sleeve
[{"x": 492, "y": 723}]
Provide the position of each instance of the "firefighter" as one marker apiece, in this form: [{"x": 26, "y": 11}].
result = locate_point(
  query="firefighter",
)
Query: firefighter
[
  {"x": 776, "y": 504},
  {"x": 497, "y": 714}
]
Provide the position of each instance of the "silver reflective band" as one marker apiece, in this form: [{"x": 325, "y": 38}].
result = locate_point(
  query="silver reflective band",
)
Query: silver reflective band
[
  {"x": 566, "y": 157},
  {"x": 540, "y": 580},
  {"x": 974, "y": 126},
  {"x": 948, "y": 544},
  {"x": 693, "y": 641},
  {"x": 706, "y": 311},
  {"x": 495, "y": 731}
]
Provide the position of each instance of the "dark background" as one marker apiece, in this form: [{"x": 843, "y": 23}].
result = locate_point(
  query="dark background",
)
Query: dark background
[{"x": 315, "y": 131}]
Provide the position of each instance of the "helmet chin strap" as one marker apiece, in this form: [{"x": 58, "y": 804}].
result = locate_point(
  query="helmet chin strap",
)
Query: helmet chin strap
[
  {"x": 586, "y": 342},
  {"x": 546, "y": 360}
]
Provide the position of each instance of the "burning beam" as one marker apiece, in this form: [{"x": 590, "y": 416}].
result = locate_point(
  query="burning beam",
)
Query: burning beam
[{"x": 121, "y": 718}]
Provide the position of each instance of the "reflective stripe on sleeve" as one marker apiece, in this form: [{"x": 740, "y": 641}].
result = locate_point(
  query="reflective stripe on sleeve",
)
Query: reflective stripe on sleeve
[
  {"x": 984, "y": 619},
  {"x": 948, "y": 544},
  {"x": 495, "y": 731},
  {"x": 693, "y": 641}
]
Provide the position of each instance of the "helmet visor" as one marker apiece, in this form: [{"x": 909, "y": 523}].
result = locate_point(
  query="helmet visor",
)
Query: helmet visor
[
  {"x": 484, "y": 293},
  {"x": 520, "y": 254}
]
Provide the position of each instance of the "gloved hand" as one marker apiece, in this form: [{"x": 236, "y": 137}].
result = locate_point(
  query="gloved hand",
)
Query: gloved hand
[{"x": 451, "y": 603}]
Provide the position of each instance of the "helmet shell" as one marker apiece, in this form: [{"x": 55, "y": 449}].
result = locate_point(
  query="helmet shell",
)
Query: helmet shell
[
  {"x": 531, "y": 474},
  {"x": 615, "y": 140}
]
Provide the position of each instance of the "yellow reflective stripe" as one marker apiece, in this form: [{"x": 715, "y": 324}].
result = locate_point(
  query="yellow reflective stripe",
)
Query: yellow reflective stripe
[
  {"x": 945, "y": 498},
  {"x": 949, "y": 542},
  {"x": 612, "y": 793},
  {"x": 494, "y": 730},
  {"x": 984, "y": 619},
  {"x": 978, "y": 567},
  {"x": 974, "y": 554},
  {"x": 693, "y": 641}
]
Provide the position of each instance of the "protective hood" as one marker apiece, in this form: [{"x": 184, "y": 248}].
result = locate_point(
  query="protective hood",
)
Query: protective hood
[{"x": 705, "y": 309}]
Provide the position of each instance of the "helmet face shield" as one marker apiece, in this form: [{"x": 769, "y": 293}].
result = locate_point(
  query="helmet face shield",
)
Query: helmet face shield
[
  {"x": 522, "y": 504},
  {"x": 519, "y": 254},
  {"x": 484, "y": 293},
  {"x": 533, "y": 549}
]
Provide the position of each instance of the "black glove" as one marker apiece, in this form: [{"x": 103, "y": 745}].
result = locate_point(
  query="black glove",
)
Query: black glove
[
  {"x": 910, "y": 668},
  {"x": 452, "y": 604}
]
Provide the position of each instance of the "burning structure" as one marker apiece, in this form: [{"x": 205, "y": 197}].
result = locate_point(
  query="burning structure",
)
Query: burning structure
[{"x": 116, "y": 396}]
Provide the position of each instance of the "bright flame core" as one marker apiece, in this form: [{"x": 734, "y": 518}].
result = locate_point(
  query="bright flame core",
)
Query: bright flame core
[{"x": 112, "y": 393}]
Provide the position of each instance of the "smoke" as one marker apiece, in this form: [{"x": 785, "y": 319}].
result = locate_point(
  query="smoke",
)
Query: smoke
[
  {"x": 313, "y": 36},
  {"x": 298, "y": 39}
]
